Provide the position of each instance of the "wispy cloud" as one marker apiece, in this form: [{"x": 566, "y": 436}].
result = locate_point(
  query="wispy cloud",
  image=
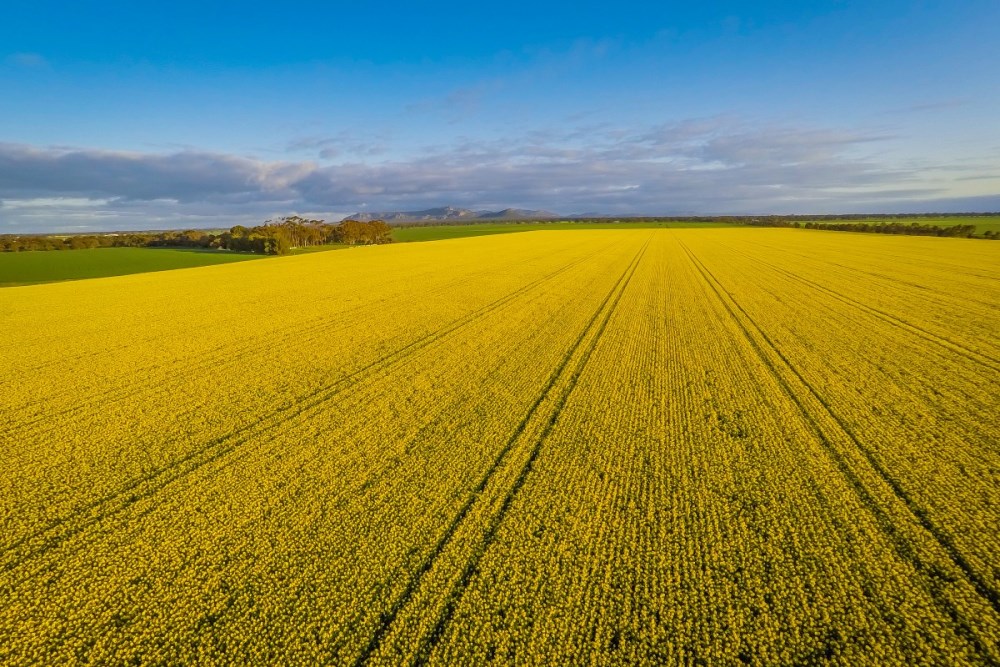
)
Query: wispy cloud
[
  {"x": 929, "y": 106},
  {"x": 27, "y": 60},
  {"x": 27, "y": 171},
  {"x": 707, "y": 165},
  {"x": 343, "y": 144},
  {"x": 460, "y": 102}
]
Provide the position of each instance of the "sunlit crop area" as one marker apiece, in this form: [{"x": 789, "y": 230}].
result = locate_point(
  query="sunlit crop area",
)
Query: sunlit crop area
[{"x": 659, "y": 446}]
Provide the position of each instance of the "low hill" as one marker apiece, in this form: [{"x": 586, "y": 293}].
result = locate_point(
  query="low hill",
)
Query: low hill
[
  {"x": 517, "y": 214},
  {"x": 451, "y": 213}
]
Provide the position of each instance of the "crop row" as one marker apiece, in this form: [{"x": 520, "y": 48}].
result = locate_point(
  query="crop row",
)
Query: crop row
[{"x": 606, "y": 447}]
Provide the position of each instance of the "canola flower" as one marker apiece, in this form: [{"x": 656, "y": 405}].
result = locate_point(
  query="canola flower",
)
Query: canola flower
[{"x": 608, "y": 447}]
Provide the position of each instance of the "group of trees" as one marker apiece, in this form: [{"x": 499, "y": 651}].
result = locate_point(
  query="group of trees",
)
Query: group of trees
[
  {"x": 274, "y": 237},
  {"x": 278, "y": 236},
  {"x": 15, "y": 243},
  {"x": 911, "y": 229}
]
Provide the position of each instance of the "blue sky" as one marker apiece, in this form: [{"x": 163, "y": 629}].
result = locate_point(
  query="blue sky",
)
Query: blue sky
[{"x": 123, "y": 115}]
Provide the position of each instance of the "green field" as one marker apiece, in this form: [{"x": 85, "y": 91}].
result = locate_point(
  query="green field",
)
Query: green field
[
  {"x": 28, "y": 268},
  {"x": 437, "y": 232},
  {"x": 433, "y": 232}
]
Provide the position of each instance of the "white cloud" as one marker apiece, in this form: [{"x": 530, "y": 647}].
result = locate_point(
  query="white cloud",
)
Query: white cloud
[
  {"x": 54, "y": 202},
  {"x": 707, "y": 166}
]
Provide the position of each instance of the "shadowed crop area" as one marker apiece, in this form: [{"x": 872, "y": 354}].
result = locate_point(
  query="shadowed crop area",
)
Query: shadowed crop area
[{"x": 648, "y": 446}]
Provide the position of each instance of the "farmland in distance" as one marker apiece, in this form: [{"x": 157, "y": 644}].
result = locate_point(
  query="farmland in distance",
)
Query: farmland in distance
[
  {"x": 26, "y": 268},
  {"x": 656, "y": 446}
]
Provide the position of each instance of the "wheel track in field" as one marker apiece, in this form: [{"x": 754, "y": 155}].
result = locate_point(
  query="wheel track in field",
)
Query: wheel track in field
[
  {"x": 924, "y": 334},
  {"x": 901, "y": 543},
  {"x": 220, "y": 356},
  {"x": 104, "y": 352},
  {"x": 374, "y": 479},
  {"x": 321, "y": 325},
  {"x": 38, "y": 542},
  {"x": 455, "y": 595},
  {"x": 882, "y": 276},
  {"x": 951, "y": 345},
  {"x": 942, "y": 264},
  {"x": 607, "y": 308}
]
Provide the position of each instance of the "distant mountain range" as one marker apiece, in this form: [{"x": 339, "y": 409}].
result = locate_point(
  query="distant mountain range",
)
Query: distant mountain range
[{"x": 451, "y": 213}]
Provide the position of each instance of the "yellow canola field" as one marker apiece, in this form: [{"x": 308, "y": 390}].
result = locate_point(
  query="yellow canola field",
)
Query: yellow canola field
[{"x": 731, "y": 446}]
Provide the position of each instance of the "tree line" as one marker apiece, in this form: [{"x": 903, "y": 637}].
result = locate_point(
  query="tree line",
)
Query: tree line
[
  {"x": 274, "y": 237},
  {"x": 911, "y": 229}
]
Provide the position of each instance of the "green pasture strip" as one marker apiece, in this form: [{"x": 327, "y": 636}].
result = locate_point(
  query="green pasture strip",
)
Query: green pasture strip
[
  {"x": 44, "y": 266},
  {"x": 437, "y": 232}
]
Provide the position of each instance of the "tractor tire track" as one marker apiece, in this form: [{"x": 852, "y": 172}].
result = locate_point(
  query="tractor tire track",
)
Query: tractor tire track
[
  {"x": 606, "y": 307},
  {"x": 853, "y": 269},
  {"x": 38, "y": 542},
  {"x": 222, "y": 355},
  {"x": 455, "y": 595},
  {"x": 952, "y": 346},
  {"x": 901, "y": 543}
]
